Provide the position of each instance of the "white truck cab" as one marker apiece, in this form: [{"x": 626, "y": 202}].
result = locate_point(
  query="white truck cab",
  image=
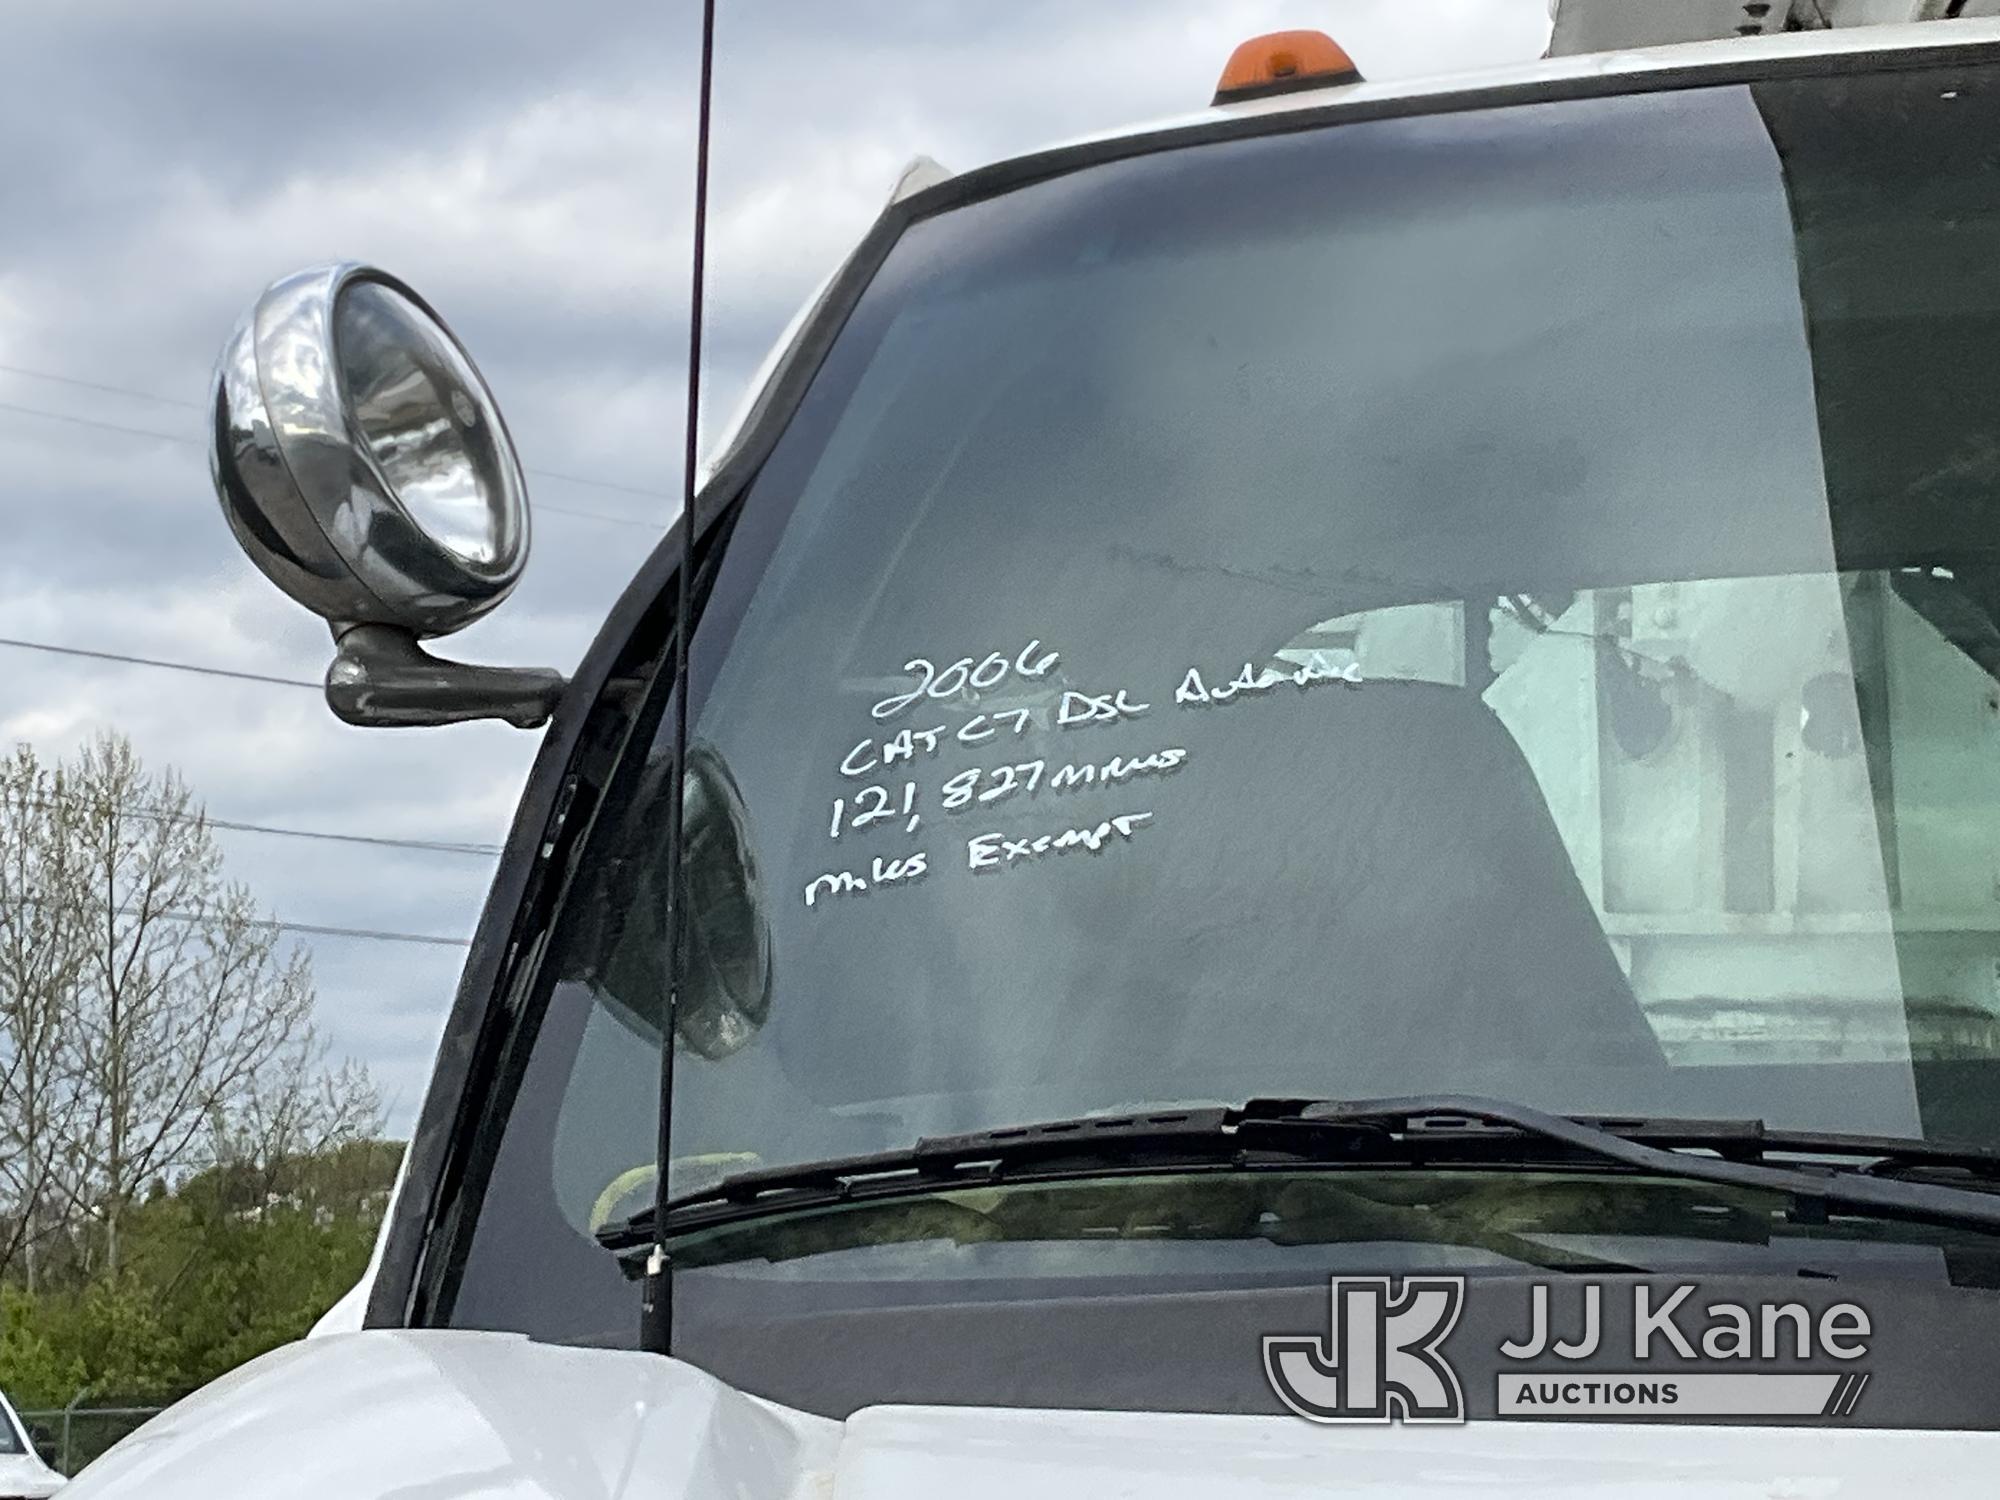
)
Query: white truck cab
[{"x": 1323, "y": 812}]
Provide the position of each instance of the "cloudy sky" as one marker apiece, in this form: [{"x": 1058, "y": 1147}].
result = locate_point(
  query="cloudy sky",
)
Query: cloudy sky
[{"x": 527, "y": 167}]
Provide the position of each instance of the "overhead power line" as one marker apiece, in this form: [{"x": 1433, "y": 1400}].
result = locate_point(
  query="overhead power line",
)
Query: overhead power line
[
  {"x": 187, "y": 442},
  {"x": 96, "y": 385},
  {"x": 157, "y": 663},
  {"x": 361, "y": 934},
  {"x": 61, "y": 416},
  {"x": 542, "y": 508},
  {"x": 181, "y": 438},
  {"x": 236, "y": 825},
  {"x": 437, "y": 846},
  {"x": 598, "y": 484},
  {"x": 317, "y": 929},
  {"x": 378, "y": 840},
  {"x": 312, "y": 929}
]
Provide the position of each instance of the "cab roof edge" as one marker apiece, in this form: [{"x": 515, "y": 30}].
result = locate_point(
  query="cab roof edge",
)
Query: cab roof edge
[
  {"x": 1579, "y": 27},
  {"x": 922, "y": 172}
]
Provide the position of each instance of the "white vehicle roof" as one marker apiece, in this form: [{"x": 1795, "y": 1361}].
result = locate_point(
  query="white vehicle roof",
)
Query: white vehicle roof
[
  {"x": 1595, "y": 25},
  {"x": 1638, "y": 61}
]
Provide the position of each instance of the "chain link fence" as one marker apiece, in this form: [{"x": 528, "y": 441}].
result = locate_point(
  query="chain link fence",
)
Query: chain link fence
[{"x": 71, "y": 1436}]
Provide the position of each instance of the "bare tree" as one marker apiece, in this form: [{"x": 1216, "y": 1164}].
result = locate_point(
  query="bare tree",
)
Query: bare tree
[
  {"x": 184, "y": 1003},
  {"x": 298, "y": 1112},
  {"x": 43, "y": 958},
  {"x": 150, "y": 1026}
]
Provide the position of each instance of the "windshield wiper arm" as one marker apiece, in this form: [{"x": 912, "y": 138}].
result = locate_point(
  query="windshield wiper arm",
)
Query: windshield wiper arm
[
  {"x": 1088, "y": 1146},
  {"x": 1416, "y": 1131},
  {"x": 1662, "y": 1148}
]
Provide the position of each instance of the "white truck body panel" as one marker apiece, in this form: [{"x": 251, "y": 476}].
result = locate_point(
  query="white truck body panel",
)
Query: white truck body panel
[
  {"x": 1581, "y": 26},
  {"x": 23, "y": 1475},
  {"x": 448, "y": 1414}
]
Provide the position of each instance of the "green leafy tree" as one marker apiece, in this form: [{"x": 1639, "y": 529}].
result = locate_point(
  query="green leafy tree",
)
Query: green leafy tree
[
  {"x": 216, "y": 1272},
  {"x": 35, "y": 1370}
]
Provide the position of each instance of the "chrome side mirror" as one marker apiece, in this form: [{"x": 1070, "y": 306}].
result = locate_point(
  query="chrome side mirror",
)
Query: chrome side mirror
[{"x": 363, "y": 465}]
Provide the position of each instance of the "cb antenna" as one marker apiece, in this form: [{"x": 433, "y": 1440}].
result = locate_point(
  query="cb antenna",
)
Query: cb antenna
[{"x": 657, "y": 1310}]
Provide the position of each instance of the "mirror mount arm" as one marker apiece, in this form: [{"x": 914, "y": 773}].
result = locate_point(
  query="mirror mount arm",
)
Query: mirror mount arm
[{"x": 382, "y": 678}]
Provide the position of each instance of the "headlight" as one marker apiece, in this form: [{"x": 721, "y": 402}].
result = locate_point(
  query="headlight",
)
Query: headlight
[{"x": 361, "y": 459}]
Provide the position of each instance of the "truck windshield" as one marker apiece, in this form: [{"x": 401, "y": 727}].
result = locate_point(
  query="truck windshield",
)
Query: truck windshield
[{"x": 1504, "y": 602}]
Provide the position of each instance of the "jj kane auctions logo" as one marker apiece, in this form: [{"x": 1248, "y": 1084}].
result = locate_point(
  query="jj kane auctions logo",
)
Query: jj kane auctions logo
[{"x": 1383, "y": 1360}]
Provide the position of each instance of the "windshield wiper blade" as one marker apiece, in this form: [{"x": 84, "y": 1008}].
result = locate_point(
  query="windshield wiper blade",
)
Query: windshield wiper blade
[
  {"x": 1663, "y": 1149},
  {"x": 1463, "y": 1117},
  {"x": 1411, "y": 1132},
  {"x": 1087, "y": 1146}
]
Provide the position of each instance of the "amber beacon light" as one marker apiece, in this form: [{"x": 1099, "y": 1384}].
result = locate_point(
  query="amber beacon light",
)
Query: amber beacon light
[{"x": 1284, "y": 62}]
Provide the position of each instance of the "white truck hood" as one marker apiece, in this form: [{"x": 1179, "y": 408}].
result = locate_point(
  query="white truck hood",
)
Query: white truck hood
[{"x": 437, "y": 1414}]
